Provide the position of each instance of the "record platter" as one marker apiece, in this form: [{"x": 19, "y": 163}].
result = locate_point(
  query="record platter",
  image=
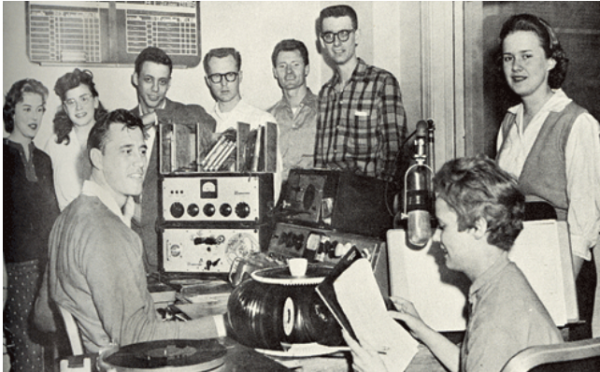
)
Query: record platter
[{"x": 165, "y": 355}]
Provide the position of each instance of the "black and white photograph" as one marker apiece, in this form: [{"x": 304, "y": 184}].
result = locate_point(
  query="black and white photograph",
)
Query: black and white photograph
[{"x": 316, "y": 186}]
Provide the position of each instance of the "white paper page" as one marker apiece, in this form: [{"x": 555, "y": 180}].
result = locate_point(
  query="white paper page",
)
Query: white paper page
[
  {"x": 538, "y": 253},
  {"x": 360, "y": 298}
]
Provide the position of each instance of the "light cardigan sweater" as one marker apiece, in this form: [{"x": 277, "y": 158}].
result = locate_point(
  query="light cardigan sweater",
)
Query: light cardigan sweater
[{"x": 96, "y": 273}]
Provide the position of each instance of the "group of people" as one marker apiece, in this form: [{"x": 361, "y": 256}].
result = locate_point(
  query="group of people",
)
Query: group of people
[{"x": 80, "y": 216}]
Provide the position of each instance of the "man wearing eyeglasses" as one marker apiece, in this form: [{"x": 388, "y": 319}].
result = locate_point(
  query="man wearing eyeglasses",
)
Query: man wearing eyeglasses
[
  {"x": 297, "y": 111},
  {"x": 223, "y": 77},
  {"x": 223, "y": 67},
  {"x": 152, "y": 80},
  {"x": 361, "y": 120}
]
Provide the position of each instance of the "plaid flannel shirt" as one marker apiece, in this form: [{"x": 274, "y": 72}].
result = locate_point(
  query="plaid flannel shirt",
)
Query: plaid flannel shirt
[{"x": 361, "y": 128}]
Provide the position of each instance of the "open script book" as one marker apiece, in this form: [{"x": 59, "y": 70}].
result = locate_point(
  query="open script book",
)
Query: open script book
[{"x": 351, "y": 293}]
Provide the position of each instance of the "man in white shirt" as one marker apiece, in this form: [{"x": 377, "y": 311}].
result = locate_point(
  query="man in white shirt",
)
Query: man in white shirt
[{"x": 223, "y": 78}]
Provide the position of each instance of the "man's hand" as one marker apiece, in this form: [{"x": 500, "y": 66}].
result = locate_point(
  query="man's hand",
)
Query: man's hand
[{"x": 364, "y": 359}]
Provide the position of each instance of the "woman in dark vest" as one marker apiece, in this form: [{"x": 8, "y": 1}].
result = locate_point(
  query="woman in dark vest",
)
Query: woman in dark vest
[
  {"x": 548, "y": 142},
  {"x": 30, "y": 209}
]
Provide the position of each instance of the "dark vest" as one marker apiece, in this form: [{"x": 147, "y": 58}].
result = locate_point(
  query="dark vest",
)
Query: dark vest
[{"x": 544, "y": 176}]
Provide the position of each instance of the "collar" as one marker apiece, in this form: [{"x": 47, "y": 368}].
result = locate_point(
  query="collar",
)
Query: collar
[
  {"x": 160, "y": 107},
  {"x": 488, "y": 275},
  {"x": 27, "y": 163},
  {"x": 240, "y": 105},
  {"x": 556, "y": 103},
  {"x": 19, "y": 147},
  {"x": 359, "y": 73},
  {"x": 91, "y": 188},
  {"x": 309, "y": 99}
]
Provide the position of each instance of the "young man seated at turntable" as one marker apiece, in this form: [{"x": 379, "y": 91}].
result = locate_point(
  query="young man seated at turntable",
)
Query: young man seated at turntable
[
  {"x": 480, "y": 213},
  {"x": 96, "y": 270}
]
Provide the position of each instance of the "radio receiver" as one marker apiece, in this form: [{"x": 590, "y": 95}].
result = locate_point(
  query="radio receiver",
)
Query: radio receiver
[{"x": 210, "y": 197}]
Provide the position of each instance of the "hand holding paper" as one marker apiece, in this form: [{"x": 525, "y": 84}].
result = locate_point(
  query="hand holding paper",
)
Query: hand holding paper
[
  {"x": 352, "y": 295},
  {"x": 359, "y": 297}
]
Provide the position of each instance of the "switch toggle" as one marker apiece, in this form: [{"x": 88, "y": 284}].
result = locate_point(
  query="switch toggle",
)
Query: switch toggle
[{"x": 208, "y": 241}]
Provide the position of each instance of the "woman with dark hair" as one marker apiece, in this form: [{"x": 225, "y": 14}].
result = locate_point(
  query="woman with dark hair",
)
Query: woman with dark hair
[
  {"x": 548, "y": 141},
  {"x": 73, "y": 121},
  {"x": 30, "y": 209}
]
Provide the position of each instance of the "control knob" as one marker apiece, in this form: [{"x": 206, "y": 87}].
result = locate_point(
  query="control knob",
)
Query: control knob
[
  {"x": 209, "y": 210},
  {"x": 242, "y": 210},
  {"x": 177, "y": 210},
  {"x": 193, "y": 209},
  {"x": 225, "y": 210}
]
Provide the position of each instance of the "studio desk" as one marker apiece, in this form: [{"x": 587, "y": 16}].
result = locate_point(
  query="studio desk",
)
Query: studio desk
[{"x": 241, "y": 358}]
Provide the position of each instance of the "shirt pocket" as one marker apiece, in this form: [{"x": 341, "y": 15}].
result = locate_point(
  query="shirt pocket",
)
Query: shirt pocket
[{"x": 362, "y": 134}]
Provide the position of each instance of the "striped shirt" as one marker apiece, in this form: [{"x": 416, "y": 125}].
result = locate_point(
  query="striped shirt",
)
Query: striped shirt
[{"x": 361, "y": 128}]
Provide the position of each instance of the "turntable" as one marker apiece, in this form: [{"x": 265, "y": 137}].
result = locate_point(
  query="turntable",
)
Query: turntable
[
  {"x": 165, "y": 355},
  {"x": 217, "y": 355}
]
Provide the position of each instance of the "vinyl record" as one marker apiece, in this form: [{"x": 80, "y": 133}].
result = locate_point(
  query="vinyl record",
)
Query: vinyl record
[
  {"x": 171, "y": 355},
  {"x": 315, "y": 274},
  {"x": 263, "y": 315}
]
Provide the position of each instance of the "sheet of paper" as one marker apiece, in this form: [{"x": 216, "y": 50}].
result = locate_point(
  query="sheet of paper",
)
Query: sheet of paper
[{"x": 360, "y": 298}]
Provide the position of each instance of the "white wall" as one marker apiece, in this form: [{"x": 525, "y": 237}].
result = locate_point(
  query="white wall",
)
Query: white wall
[{"x": 251, "y": 27}]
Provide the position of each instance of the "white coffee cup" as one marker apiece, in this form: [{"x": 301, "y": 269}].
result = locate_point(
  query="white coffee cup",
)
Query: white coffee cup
[{"x": 298, "y": 266}]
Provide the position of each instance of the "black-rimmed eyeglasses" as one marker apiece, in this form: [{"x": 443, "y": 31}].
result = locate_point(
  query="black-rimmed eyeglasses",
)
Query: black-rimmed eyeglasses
[
  {"x": 342, "y": 35},
  {"x": 217, "y": 78}
]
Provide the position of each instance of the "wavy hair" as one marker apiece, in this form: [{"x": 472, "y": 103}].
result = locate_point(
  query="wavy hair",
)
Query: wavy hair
[
  {"x": 548, "y": 41},
  {"x": 71, "y": 80},
  {"x": 99, "y": 133},
  {"x": 477, "y": 188},
  {"x": 15, "y": 95}
]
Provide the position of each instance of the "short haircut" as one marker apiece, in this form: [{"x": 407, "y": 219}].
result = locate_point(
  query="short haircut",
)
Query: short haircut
[
  {"x": 289, "y": 45},
  {"x": 222, "y": 53},
  {"x": 71, "y": 80},
  {"x": 99, "y": 134},
  {"x": 15, "y": 95},
  {"x": 338, "y": 11},
  {"x": 153, "y": 54},
  {"x": 477, "y": 188},
  {"x": 548, "y": 41}
]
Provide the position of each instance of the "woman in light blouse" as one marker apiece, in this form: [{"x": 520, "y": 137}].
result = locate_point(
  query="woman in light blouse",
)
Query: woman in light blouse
[
  {"x": 551, "y": 144},
  {"x": 73, "y": 121}
]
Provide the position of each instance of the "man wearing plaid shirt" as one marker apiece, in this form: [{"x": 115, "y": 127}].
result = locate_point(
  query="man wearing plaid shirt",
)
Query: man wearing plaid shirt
[{"x": 361, "y": 120}]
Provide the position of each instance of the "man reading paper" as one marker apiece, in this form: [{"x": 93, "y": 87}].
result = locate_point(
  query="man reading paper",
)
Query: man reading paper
[{"x": 480, "y": 213}]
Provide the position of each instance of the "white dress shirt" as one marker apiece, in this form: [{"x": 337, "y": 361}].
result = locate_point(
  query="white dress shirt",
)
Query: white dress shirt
[{"x": 582, "y": 155}]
